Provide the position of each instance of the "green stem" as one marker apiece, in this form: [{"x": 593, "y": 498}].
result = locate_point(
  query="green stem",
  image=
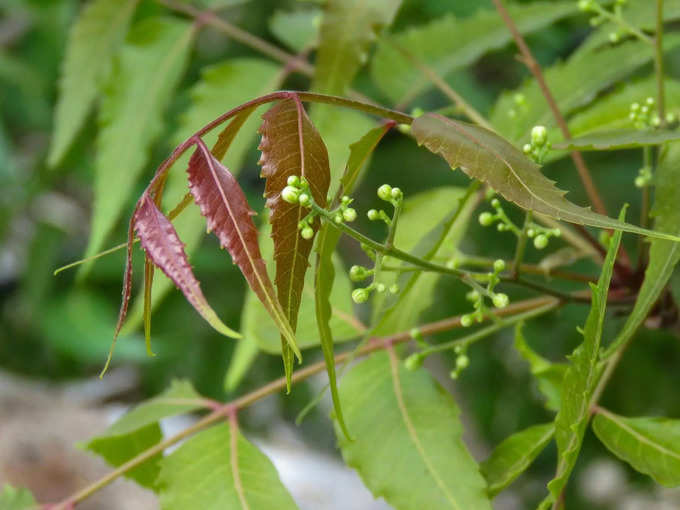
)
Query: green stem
[
  {"x": 658, "y": 63},
  {"x": 619, "y": 20},
  {"x": 521, "y": 246}
]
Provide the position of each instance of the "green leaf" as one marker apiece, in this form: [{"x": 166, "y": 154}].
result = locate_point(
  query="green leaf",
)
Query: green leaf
[
  {"x": 574, "y": 83},
  {"x": 663, "y": 255},
  {"x": 117, "y": 450},
  {"x": 484, "y": 155},
  {"x": 257, "y": 326},
  {"x": 149, "y": 68},
  {"x": 219, "y": 469},
  {"x": 17, "y": 499},
  {"x": 619, "y": 139},
  {"x": 548, "y": 375},
  {"x": 179, "y": 398},
  {"x": 452, "y": 208},
  {"x": 138, "y": 430},
  {"x": 514, "y": 455},
  {"x": 94, "y": 39},
  {"x": 649, "y": 445},
  {"x": 347, "y": 30},
  {"x": 221, "y": 87},
  {"x": 299, "y": 29},
  {"x": 580, "y": 380},
  {"x": 291, "y": 146},
  {"x": 407, "y": 438},
  {"x": 447, "y": 44}
]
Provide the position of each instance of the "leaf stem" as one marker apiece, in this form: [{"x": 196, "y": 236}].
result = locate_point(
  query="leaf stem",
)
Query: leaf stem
[
  {"x": 226, "y": 410},
  {"x": 521, "y": 246}
]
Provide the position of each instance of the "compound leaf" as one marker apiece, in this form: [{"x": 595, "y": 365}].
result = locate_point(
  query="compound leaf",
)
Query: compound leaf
[{"x": 484, "y": 155}]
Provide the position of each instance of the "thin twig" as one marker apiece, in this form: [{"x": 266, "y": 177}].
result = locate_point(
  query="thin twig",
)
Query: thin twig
[{"x": 230, "y": 408}]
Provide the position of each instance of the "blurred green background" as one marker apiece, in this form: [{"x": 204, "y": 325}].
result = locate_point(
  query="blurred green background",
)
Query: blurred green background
[{"x": 58, "y": 328}]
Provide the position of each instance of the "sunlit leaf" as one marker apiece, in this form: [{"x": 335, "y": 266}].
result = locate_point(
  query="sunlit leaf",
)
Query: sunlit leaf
[
  {"x": 649, "y": 445},
  {"x": 163, "y": 246},
  {"x": 221, "y": 87},
  {"x": 219, "y": 469},
  {"x": 580, "y": 380},
  {"x": 17, "y": 499},
  {"x": 117, "y": 450},
  {"x": 514, "y": 455},
  {"x": 149, "y": 68},
  {"x": 447, "y": 44},
  {"x": 619, "y": 139},
  {"x": 290, "y": 146},
  {"x": 486, "y": 156},
  {"x": 663, "y": 255},
  {"x": 574, "y": 83},
  {"x": 298, "y": 29},
  {"x": 347, "y": 30},
  {"x": 95, "y": 37},
  {"x": 548, "y": 375},
  {"x": 407, "y": 443}
]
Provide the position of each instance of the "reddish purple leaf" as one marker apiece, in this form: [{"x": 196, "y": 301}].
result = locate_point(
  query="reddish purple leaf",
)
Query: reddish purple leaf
[
  {"x": 164, "y": 247},
  {"x": 228, "y": 215}
]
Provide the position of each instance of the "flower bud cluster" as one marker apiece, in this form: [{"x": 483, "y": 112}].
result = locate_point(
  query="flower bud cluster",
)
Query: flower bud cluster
[
  {"x": 476, "y": 296},
  {"x": 462, "y": 361},
  {"x": 521, "y": 105},
  {"x": 539, "y": 146},
  {"x": 601, "y": 15}
]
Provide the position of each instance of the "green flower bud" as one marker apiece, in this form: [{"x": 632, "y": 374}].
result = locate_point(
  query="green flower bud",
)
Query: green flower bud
[
  {"x": 346, "y": 200},
  {"x": 670, "y": 118},
  {"x": 585, "y": 5},
  {"x": 485, "y": 219},
  {"x": 462, "y": 362},
  {"x": 385, "y": 192},
  {"x": 531, "y": 232},
  {"x": 373, "y": 215},
  {"x": 360, "y": 295},
  {"x": 290, "y": 194},
  {"x": 466, "y": 320},
  {"x": 540, "y": 241},
  {"x": 539, "y": 135},
  {"x": 397, "y": 194},
  {"x": 349, "y": 214},
  {"x": 501, "y": 227},
  {"x": 380, "y": 287},
  {"x": 499, "y": 265},
  {"x": 304, "y": 200},
  {"x": 417, "y": 112},
  {"x": 358, "y": 273},
  {"x": 613, "y": 37},
  {"x": 640, "y": 182},
  {"x": 650, "y": 101},
  {"x": 338, "y": 218},
  {"x": 495, "y": 203},
  {"x": 500, "y": 300},
  {"x": 634, "y": 107},
  {"x": 453, "y": 374},
  {"x": 293, "y": 180},
  {"x": 473, "y": 296},
  {"x": 413, "y": 362},
  {"x": 394, "y": 288},
  {"x": 307, "y": 233},
  {"x": 526, "y": 148}
]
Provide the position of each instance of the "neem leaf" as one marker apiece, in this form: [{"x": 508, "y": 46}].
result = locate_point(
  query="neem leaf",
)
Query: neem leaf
[
  {"x": 290, "y": 146},
  {"x": 408, "y": 445},
  {"x": 484, "y": 155},
  {"x": 93, "y": 40},
  {"x": 150, "y": 66},
  {"x": 163, "y": 246},
  {"x": 618, "y": 139},
  {"x": 650, "y": 445},
  {"x": 511, "y": 458},
  {"x": 218, "y": 469},
  {"x": 580, "y": 380},
  {"x": 347, "y": 30},
  {"x": 17, "y": 499},
  {"x": 226, "y": 210}
]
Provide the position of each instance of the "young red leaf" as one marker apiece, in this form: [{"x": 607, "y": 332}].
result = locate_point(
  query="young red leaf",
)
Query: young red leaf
[
  {"x": 291, "y": 146},
  {"x": 163, "y": 246},
  {"x": 226, "y": 210}
]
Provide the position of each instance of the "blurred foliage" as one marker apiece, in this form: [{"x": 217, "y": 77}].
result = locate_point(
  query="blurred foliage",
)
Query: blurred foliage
[{"x": 59, "y": 327}]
